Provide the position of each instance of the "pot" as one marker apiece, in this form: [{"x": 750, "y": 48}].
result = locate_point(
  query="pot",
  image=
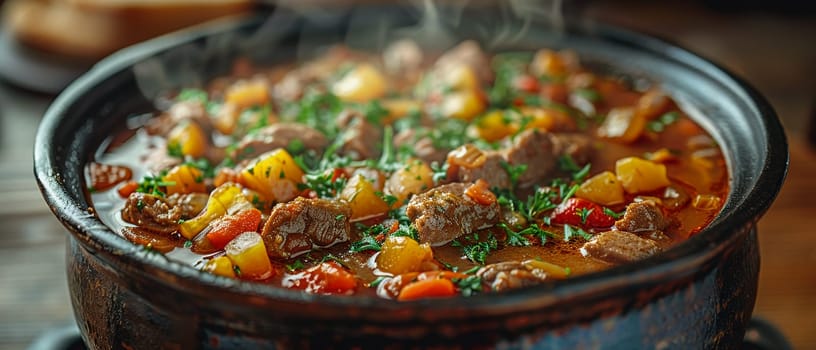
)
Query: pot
[{"x": 699, "y": 294}]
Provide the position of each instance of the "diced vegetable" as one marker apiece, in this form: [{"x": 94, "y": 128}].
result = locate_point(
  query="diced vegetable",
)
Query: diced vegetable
[
  {"x": 461, "y": 77},
  {"x": 227, "y": 227},
  {"x": 552, "y": 270},
  {"x": 325, "y": 278},
  {"x": 248, "y": 93},
  {"x": 604, "y": 189},
  {"x": 431, "y": 288},
  {"x": 623, "y": 125},
  {"x": 706, "y": 202},
  {"x": 547, "y": 119},
  {"x": 400, "y": 254},
  {"x": 653, "y": 103},
  {"x": 415, "y": 177},
  {"x": 221, "y": 266},
  {"x": 399, "y": 107},
  {"x": 188, "y": 139},
  {"x": 467, "y": 155},
  {"x": 550, "y": 63},
  {"x": 185, "y": 178},
  {"x": 464, "y": 105},
  {"x": 364, "y": 196},
  {"x": 639, "y": 175},
  {"x": 221, "y": 199},
  {"x": 494, "y": 126},
  {"x": 248, "y": 254},
  {"x": 581, "y": 212},
  {"x": 274, "y": 175},
  {"x": 480, "y": 193},
  {"x": 362, "y": 84},
  {"x": 128, "y": 188}
]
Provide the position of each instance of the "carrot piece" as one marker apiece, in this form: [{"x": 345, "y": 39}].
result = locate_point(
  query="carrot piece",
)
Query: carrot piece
[
  {"x": 427, "y": 289},
  {"x": 223, "y": 230},
  {"x": 128, "y": 188},
  {"x": 480, "y": 193}
]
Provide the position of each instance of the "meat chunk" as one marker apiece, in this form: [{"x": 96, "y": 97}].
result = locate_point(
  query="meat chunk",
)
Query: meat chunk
[
  {"x": 492, "y": 170},
  {"x": 619, "y": 247},
  {"x": 280, "y": 135},
  {"x": 151, "y": 212},
  {"x": 194, "y": 111},
  {"x": 423, "y": 147},
  {"x": 293, "y": 228},
  {"x": 645, "y": 216},
  {"x": 536, "y": 150},
  {"x": 190, "y": 204},
  {"x": 468, "y": 53},
  {"x": 361, "y": 138},
  {"x": 510, "y": 275},
  {"x": 576, "y": 146},
  {"x": 445, "y": 213}
]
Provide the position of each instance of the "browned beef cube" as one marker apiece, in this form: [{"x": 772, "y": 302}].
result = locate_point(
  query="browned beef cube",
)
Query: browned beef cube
[
  {"x": 446, "y": 212},
  {"x": 645, "y": 216},
  {"x": 619, "y": 247},
  {"x": 295, "y": 227}
]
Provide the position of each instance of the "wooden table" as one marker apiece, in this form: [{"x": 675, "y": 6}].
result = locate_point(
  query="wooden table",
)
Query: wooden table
[{"x": 776, "y": 53}]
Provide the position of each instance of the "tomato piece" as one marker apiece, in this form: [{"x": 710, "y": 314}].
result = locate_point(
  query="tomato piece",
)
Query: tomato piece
[
  {"x": 526, "y": 83},
  {"x": 325, "y": 278},
  {"x": 224, "y": 229},
  {"x": 105, "y": 176},
  {"x": 581, "y": 212},
  {"x": 430, "y": 288}
]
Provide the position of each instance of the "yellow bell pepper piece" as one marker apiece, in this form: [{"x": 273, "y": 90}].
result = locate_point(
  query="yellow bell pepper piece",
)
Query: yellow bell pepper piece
[
  {"x": 464, "y": 105},
  {"x": 221, "y": 199},
  {"x": 246, "y": 94},
  {"x": 363, "y": 198}
]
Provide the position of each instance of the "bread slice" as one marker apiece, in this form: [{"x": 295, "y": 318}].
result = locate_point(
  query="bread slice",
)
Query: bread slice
[{"x": 92, "y": 29}]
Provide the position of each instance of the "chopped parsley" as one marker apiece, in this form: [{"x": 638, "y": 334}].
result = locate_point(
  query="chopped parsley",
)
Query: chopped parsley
[
  {"x": 570, "y": 232},
  {"x": 237, "y": 270},
  {"x": 478, "y": 252},
  {"x": 514, "y": 172},
  {"x": 590, "y": 95},
  {"x": 297, "y": 265},
  {"x": 153, "y": 184},
  {"x": 376, "y": 282},
  {"x": 613, "y": 214},
  {"x": 192, "y": 95},
  {"x": 174, "y": 149},
  {"x": 660, "y": 124},
  {"x": 470, "y": 285},
  {"x": 584, "y": 214},
  {"x": 367, "y": 243}
]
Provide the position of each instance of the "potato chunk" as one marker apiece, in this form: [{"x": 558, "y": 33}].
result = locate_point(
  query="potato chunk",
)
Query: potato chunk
[
  {"x": 604, "y": 189},
  {"x": 639, "y": 175}
]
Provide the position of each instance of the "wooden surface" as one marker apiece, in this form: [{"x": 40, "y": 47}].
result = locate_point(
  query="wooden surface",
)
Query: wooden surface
[{"x": 774, "y": 52}]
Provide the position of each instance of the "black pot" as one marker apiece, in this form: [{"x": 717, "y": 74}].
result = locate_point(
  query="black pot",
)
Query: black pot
[{"x": 699, "y": 294}]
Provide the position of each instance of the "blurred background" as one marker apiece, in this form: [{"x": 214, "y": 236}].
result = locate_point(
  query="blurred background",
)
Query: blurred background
[{"x": 44, "y": 44}]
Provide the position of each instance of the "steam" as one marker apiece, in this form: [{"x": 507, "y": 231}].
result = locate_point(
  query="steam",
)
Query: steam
[{"x": 434, "y": 26}]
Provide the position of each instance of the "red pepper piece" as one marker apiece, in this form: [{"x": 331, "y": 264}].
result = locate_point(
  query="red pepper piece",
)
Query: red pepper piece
[{"x": 570, "y": 213}]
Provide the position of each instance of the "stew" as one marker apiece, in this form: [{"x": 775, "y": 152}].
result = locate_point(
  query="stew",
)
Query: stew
[{"x": 408, "y": 176}]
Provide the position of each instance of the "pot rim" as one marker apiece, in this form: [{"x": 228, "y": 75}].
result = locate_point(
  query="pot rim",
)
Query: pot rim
[{"x": 684, "y": 258}]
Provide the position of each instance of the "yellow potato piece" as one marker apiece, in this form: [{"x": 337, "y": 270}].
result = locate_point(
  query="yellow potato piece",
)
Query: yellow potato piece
[
  {"x": 464, "y": 105},
  {"x": 188, "y": 138},
  {"x": 248, "y": 253},
  {"x": 604, "y": 189},
  {"x": 365, "y": 200},
  {"x": 402, "y": 255},
  {"x": 639, "y": 175},
  {"x": 221, "y": 266},
  {"x": 415, "y": 177},
  {"x": 185, "y": 179},
  {"x": 362, "y": 84},
  {"x": 274, "y": 175},
  {"x": 246, "y": 94}
]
